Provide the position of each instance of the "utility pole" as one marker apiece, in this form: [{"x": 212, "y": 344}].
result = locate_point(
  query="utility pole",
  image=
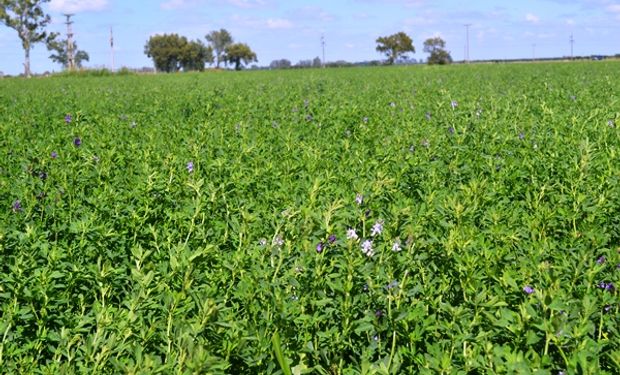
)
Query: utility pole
[
  {"x": 112, "y": 47},
  {"x": 572, "y": 41},
  {"x": 467, "y": 42},
  {"x": 70, "y": 49},
  {"x": 323, "y": 47}
]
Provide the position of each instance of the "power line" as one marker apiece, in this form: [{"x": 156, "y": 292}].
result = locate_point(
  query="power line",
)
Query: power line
[
  {"x": 323, "y": 47},
  {"x": 112, "y": 47},
  {"x": 70, "y": 46},
  {"x": 467, "y": 25}
]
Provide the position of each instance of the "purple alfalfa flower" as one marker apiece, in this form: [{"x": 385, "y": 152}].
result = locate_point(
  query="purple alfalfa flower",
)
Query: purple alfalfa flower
[
  {"x": 319, "y": 247},
  {"x": 608, "y": 286},
  {"x": 367, "y": 248},
  {"x": 451, "y": 130},
  {"x": 43, "y": 175},
  {"x": 262, "y": 242},
  {"x": 601, "y": 260},
  {"x": 331, "y": 239},
  {"x": 77, "y": 142},
  {"x": 367, "y": 213},
  {"x": 573, "y": 97},
  {"x": 54, "y": 155},
  {"x": 528, "y": 289},
  {"x": 17, "y": 206},
  {"x": 190, "y": 166},
  {"x": 428, "y": 116},
  {"x": 351, "y": 235},
  {"x": 521, "y": 136},
  {"x": 377, "y": 228},
  {"x": 378, "y": 313},
  {"x": 359, "y": 199},
  {"x": 365, "y": 120},
  {"x": 68, "y": 118},
  {"x": 393, "y": 284},
  {"x": 611, "y": 123},
  {"x": 392, "y": 104},
  {"x": 425, "y": 143},
  {"x": 412, "y": 149},
  {"x": 454, "y": 104},
  {"x": 309, "y": 117}
]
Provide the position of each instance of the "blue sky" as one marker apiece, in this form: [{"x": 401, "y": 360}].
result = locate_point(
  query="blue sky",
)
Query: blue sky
[{"x": 292, "y": 29}]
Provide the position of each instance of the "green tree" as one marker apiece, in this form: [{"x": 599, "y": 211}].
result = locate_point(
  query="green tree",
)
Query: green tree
[
  {"x": 436, "y": 47},
  {"x": 195, "y": 55},
  {"x": 59, "y": 53},
  {"x": 29, "y": 20},
  {"x": 239, "y": 53},
  {"x": 166, "y": 51},
  {"x": 395, "y": 46},
  {"x": 219, "y": 41}
]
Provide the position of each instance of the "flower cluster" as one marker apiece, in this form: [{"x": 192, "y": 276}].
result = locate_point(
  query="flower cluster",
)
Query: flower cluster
[{"x": 367, "y": 248}]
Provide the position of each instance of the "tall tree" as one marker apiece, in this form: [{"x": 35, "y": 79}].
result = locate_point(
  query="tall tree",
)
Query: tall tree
[
  {"x": 29, "y": 20},
  {"x": 395, "y": 46},
  {"x": 195, "y": 55},
  {"x": 239, "y": 53},
  {"x": 436, "y": 47},
  {"x": 219, "y": 40},
  {"x": 60, "y": 53},
  {"x": 166, "y": 51}
]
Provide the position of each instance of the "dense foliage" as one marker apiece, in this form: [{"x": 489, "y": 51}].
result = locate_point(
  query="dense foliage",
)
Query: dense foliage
[
  {"x": 460, "y": 219},
  {"x": 436, "y": 47},
  {"x": 172, "y": 52},
  {"x": 395, "y": 46}
]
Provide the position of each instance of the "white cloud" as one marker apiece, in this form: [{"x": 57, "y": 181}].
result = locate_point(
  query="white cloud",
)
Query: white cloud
[
  {"x": 420, "y": 21},
  {"x": 532, "y": 18},
  {"x": 247, "y": 3},
  {"x": 570, "y": 22},
  {"x": 172, "y": 4},
  {"x": 614, "y": 8},
  {"x": 279, "y": 23},
  {"x": 76, "y": 6}
]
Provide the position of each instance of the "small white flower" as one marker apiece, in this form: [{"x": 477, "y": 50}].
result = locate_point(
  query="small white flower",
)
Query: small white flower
[
  {"x": 396, "y": 246},
  {"x": 377, "y": 228},
  {"x": 278, "y": 241},
  {"x": 367, "y": 248},
  {"x": 359, "y": 198},
  {"x": 351, "y": 235},
  {"x": 262, "y": 242}
]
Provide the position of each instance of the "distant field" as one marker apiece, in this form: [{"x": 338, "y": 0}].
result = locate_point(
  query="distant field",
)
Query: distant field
[{"x": 461, "y": 219}]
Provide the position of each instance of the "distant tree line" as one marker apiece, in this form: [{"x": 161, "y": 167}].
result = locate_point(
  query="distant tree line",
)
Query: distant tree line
[
  {"x": 172, "y": 52},
  {"x": 286, "y": 64}
]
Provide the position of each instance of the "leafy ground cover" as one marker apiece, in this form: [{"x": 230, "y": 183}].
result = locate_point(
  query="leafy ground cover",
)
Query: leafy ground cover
[{"x": 459, "y": 219}]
